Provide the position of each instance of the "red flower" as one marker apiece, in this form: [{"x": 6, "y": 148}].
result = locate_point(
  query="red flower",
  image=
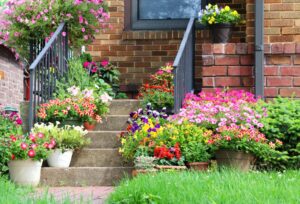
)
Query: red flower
[
  {"x": 46, "y": 145},
  {"x": 31, "y": 153},
  {"x": 13, "y": 138},
  {"x": 13, "y": 157},
  {"x": 40, "y": 135},
  {"x": 33, "y": 146},
  {"x": 24, "y": 146},
  {"x": 32, "y": 137},
  {"x": 86, "y": 64}
]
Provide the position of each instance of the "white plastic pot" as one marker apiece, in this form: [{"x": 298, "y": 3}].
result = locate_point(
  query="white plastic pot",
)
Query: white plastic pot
[
  {"x": 25, "y": 172},
  {"x": 60, "y": 159}
]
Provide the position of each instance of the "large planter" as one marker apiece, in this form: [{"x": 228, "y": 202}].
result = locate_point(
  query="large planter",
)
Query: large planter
[
  {"x": 198, "y": 166},
  {"x": 25, "y": 172},
  {"x": 221, "y": 32},
  {"x": 89, "y": 126},
  {"x": 60, "y": 159},
  {"x": 234, "y": 159}
]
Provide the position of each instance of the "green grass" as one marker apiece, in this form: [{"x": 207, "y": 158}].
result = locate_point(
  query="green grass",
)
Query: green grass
[
  {"x": 214, "y": 187},
  {"x": 12, "y": 194}
]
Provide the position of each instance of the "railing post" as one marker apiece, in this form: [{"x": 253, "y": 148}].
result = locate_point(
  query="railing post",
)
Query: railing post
[{"x": 31, "y": 108}]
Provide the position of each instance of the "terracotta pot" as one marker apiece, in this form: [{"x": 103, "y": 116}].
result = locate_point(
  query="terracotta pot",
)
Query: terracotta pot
[
  {"x": 234, "y": 159},
  {"x": 137, "y": 172},
  {"x": 89, "y": 126},
  {"x": 198, "y": 166},
  {"x": 221, "y": 32},
  {"x": 161, "y": 167}
]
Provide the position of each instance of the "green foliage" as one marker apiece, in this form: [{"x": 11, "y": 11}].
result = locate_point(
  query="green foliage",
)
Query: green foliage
[
  {"x": 226, "y": 187},
  {"x": 196, "y": 152},
  {"x": 283, "y": 123},
  {"x": 158, "y": 99},
  {"x": 144, "y": 162},
  {"x": 67, "y": 137},
  {"x": 212, "y": 14}
]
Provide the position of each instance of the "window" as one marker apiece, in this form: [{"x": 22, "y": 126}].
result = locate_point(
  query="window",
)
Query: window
[{"x": 160, "y": 14}]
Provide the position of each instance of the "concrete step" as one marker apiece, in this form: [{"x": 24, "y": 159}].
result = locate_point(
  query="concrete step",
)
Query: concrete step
[
  {"x": 98, "y": 158},
  {"x": 104, "y": 139},
  {"x": 113, "y": 123},
  {"x": 123, "y": 106},
  {"x": 83, "y": 176}
]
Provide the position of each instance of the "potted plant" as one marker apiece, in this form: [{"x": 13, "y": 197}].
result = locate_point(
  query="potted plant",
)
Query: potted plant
[
  {"x": 196, "y": 155},
  {"x": 143, "y": 164},
  {"x": 220, "y": 21},
  {"x": 68, "y": 139},
  {"x": 238, "y": 147},
  {"x": 26, "y": 155}
]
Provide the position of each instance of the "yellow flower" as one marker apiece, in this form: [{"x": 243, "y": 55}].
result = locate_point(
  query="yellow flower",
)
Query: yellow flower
[
  {"x": 174, "y": 137},
  {"x": 209, "y": 6},
  {"x": 123, "y": 141},
  {"x": 211, "y": 20},
  {"x": 227, "y": 8},
  {"x": 121, "y": 150},
  {"x": 214, "y": 13},
  {"x": 235, "y": 13},
  {"x": 153, "y": 134}
]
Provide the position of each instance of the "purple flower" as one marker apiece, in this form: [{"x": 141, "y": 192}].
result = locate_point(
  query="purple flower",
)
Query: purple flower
[
  {"x": 157, "y": 126},
  {"x": 164, "y": 116},
  {"x": 164, "y": 109},
  {"x": 155, "y": 114},
  {"x": 149, "y": 112},
  {"x": 148, "y": 106},
  {"x": 140, "y": 111},
  {"x": 132, "y": 114}
]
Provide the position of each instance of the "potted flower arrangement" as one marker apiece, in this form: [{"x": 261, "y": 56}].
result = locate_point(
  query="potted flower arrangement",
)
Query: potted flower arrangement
[
  {"x": 68, "y": 139},
  {"x": 220, "y": 21},
  {"x": 160, "y": 91},
  {"x": 143, "y": 163},
  {"x": 26, "y": 155},
  {"x": 197, "y": 156},
  {"x": 238, "y": 146}
]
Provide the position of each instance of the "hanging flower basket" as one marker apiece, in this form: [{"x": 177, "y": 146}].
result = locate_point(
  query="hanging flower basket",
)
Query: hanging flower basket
[{"x": 221, "y": 32}]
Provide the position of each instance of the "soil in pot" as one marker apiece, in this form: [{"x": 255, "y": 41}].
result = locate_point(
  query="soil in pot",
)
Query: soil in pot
[
  {"x": 234, "y": 159},
  {"x": 25, "y": 172},
  {"x": 221, "y": 32},
  {"x": 198, "y": 166},
  {"x": 60, "y": 159},
  {"x": 90, "y": 126}
]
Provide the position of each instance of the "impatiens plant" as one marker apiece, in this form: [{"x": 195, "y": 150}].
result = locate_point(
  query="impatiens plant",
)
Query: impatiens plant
[
  {"x": 34, "y": 146},
  {"x": 26, "y": 20},
  {"x": 10, "y": 123}
]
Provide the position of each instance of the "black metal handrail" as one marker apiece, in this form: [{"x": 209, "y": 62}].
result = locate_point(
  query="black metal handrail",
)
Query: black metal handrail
[
  {"x": 184, "y": 66},
  {"x": 49, "y": 65}
]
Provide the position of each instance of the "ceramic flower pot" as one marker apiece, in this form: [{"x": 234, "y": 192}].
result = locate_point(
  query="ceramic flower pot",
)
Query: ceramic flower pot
[
  {"x": 60, "y": 159},
  {"x": 234, "y": 159},
  {"x": 89, "y": 126},
  {"x": 221, "y": 32},
  {"x": 25, "y": 172},
  {"x": 198, "y": 166}
]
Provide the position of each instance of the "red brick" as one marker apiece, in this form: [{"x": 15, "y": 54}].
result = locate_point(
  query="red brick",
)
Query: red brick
[
  {"x": 207, "y": 60},
  {"x": 208, "y": 81},
  {"x": 289, "y": 48},
  {"x": 296, "y": 59},
  {"x": 271, "y": 92},
  {"x": 241, "y": 48},
  {"x": 230, "y": 48},
  {"x": 240, "y": 70},
  {"x": 207, "y": 49},
  {"x": 276, "y": 48},
  {"x": 280, "y": 60},
  {"x": 219, "y": 48},
  {"x": 267, "y": 48},
  {"x": 296, "y": 81},
  {"x": 297, "y": 47},
  {"x": 247, "y": 60},
  {"x": 247, "y": 81},
  {"x": 271, "y": 70},
  {"x": 290, "y": 71},
  {"x": 288, "y": 92},
  {"x": 279, "y": 81},
  {"x": 214, "y": 71},
  {"x": 227, "y": 81},
  {"x": 227, "y": 60}
]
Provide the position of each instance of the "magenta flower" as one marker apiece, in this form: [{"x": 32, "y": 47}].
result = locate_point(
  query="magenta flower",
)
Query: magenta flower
[
  {"x": 104, "y": 63},
  {"x": 86, "y": 64}
]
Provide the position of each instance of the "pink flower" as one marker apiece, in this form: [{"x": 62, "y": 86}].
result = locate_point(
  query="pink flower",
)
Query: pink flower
[
  {"x": 23, "y": 146},
  {"x": 40, "y": 135},
  {"x": 160, "y": 72},
  {"x": 80, "y": 19},
  {"x": 86, "y": 64},
  {"x": 64, "y": 34},
  {"x": 86, "y": 37},
  {"x": 19, "y": 121},
  {"x": 31, "y": 153},
  {"x": 32, "y": 137},
  {"x": 83, "y": 29},
  {"x": 104, "y": 63},
  {"x": 33, "y": 146}
]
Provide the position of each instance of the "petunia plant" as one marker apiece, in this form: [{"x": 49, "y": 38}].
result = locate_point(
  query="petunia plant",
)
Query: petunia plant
[{"x": 26, "y": 20}]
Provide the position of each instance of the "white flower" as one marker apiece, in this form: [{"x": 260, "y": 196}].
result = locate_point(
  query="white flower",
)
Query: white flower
[
  {"x": 87, "y": 93},
  {"x": 105, "y": 98},
  {"x": 73, "y": 90}
]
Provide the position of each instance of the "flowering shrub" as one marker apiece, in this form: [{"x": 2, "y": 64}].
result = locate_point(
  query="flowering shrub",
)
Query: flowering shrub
[
  {"x": 213, "y": 110},
  {"x": 34, "y": 146},
  {"x": 26, "y": 20},
  {"x": 10, "y": 123},
  {"x": 67, "y": 137},
  {"x": 160, "y": 91},
  {"x": 212, "y": 14},
  {"x": 244, "y": 139}
]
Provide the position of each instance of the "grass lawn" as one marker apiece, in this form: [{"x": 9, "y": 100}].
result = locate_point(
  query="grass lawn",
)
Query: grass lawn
[
  {"x": 12, "y": 194},
  {"x": 213, "y": 187}
]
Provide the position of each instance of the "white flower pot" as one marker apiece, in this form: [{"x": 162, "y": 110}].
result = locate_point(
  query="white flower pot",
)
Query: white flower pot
[
  {"x": 25, "y": 172},
  {"x": 60, "y": 159}
]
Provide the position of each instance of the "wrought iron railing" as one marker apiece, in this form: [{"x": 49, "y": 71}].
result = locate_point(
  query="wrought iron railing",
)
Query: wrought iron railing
[
  {"x": 184, "y": 66},
  {"x": 49, "y": 64}
]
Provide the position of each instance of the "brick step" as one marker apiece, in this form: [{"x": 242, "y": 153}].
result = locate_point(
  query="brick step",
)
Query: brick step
[
  {"x": 123, "y": 106},
  {"x": 113, "y": 123},
  {"x": 98, "y": 158},
  {"x": 83, "y": 176},
  {"x": 103, "y": 139}
]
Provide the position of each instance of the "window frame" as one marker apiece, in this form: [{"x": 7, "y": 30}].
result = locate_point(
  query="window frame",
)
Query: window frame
[{"x": 133, "y": 23}]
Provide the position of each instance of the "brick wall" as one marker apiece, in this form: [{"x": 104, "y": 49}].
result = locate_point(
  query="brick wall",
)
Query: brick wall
[{"x": 11, "y": 80}]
